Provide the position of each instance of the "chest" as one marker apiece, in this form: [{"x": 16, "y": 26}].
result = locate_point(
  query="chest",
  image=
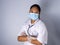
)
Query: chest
[{"x": 32, "y": 31}]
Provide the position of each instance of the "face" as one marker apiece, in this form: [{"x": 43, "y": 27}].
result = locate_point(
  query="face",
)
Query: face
[{"x": 34, "y": 10}]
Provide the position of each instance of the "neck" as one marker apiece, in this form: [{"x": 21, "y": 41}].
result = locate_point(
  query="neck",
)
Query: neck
[{"x": 32, "y": 21}]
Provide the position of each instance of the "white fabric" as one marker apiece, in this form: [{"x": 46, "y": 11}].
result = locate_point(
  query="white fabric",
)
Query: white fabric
[{"x": 37, "y": 28}]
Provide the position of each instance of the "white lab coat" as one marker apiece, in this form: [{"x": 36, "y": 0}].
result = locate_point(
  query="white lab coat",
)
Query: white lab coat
[{"x": 38, "y": 28}]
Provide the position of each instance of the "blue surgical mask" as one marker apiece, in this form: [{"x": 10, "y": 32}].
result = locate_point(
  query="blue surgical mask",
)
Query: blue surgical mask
[{"x": 33, "y": 16}]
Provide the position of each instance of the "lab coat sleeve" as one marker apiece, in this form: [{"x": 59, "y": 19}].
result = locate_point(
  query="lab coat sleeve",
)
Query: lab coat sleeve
[
  {"x": 43, "y": 34},
  {"x": 22, "y": 30}
]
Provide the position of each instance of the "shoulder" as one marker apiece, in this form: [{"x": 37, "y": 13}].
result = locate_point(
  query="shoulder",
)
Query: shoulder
[
  {"x": 25, "y": 24},
  {"x": 40, "y": 23},
  {"x": 41, "y": 26}
]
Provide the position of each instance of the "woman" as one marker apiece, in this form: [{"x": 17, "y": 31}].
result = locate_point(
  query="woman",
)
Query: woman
[{"x": 34, "y": 31}]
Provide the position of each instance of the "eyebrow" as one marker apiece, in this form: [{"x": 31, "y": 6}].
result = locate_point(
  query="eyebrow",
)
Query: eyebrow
[{"x": 34, "y": 12}]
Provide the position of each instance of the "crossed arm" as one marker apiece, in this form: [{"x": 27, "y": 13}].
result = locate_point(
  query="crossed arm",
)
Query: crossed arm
[{"x": 33, "y": 41}]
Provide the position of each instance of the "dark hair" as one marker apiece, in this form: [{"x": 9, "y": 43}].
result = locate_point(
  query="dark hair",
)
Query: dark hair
[{"x": 38, "y": 7}]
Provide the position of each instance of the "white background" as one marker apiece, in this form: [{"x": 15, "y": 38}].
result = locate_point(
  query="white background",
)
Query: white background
[{"x": 13, "y": 13}]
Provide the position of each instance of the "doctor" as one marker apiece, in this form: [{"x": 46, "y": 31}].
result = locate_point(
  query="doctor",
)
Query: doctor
[{"x": 34, "y": 31}]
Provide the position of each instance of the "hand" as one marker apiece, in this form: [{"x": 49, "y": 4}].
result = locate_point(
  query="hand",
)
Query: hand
[
  {"x": 35, "y": 41},
  {"x": 22, "y": 38},
  {"x": 32, "y": 39}
]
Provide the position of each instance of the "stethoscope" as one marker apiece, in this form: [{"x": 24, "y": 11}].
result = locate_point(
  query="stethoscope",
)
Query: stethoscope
[{"x": 30, "y": 32}]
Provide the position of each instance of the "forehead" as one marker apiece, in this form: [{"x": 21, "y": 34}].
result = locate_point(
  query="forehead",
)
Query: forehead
[{"x": 34, "y": 8}]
